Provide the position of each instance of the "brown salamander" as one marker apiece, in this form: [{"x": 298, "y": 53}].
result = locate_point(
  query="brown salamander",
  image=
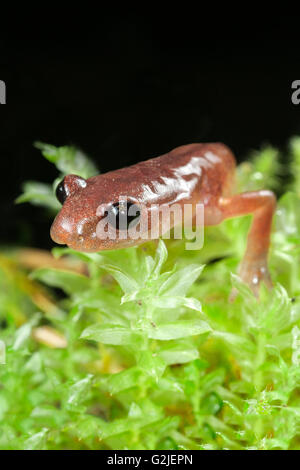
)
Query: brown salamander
[{"x": 190, "y": 174}]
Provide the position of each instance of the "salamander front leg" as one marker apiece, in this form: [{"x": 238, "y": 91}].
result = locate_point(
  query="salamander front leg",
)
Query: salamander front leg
[{"x": 254, "y": 267}]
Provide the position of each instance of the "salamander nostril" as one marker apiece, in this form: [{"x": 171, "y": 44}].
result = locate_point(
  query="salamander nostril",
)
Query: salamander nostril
[{"x": 86, "y": 228}]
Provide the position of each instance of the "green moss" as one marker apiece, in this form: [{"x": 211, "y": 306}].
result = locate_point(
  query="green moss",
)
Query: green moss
[{"x": 156, "y": 356}]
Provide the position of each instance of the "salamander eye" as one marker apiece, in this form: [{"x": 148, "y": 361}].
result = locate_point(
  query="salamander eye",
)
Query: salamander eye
[
  {"x": 69, "y": 186},
  {"x": 123, "y": 215},
  {"x": 61, "y": 192}
]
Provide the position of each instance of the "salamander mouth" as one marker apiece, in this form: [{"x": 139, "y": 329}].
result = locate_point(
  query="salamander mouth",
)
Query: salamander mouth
[
  {"x": 57, "y": 235},
  {"x": 92, "y": 233},
  {"x": 79, "y": 236}
]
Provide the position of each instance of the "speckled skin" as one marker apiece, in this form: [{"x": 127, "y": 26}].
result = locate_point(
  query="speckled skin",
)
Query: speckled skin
[{"x": 196, "y": 173}]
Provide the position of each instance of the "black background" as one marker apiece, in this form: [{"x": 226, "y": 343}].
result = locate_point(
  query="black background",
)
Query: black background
[{"x": 132, "y": 94}]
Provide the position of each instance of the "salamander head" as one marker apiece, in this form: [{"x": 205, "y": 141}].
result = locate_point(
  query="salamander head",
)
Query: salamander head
[{"x": 95, "y": 215}]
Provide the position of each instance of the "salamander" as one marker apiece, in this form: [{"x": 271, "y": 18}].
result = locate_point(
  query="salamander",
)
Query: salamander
[{"x": 190, "y": 174}]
